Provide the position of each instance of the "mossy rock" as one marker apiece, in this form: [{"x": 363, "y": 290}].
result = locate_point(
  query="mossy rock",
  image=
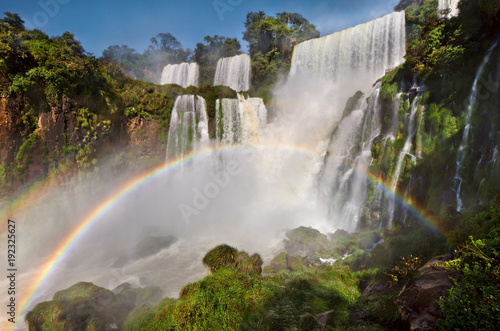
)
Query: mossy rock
[
  {"x": 224, "y": 256},
  {"x": 284, "y": 261},
  {"x": 307, "y": 242},
  {"x": 133, "y": 297},
  {"x": 85, "y": 306}
]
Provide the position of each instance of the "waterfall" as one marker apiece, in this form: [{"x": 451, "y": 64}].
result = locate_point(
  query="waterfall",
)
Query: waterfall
[
  {"x": 234, "y": 72},
  {"x": 239, "y": 121},
  {"x": 349, "y": 155},
  {"x": 329, "y": 63},
  {"x": 462, "y": 149},
  {"x": 449, "y": 4},
  {"x": 188, "y": 126},
  {"x": 411, "y": 130},
  {"x": 184, "y": 74},
  {"x": 365, "y": 51}
]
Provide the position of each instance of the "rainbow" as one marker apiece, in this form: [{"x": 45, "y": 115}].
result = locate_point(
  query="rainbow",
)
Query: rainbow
[
  {"x": 96, "y": 214},
  {"x": 28, "y": 197}
]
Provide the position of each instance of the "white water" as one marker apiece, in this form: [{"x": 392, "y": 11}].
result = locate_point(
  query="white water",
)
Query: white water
[
  {"x": 365, "y": 52},
  {"x": 275, "y": 184},
  {"x": 349, "y": 155},
  {"x": 234, "y": 72},
  {"x": 449, "y": 4},
  {"x": 184, "y": 74},
  {"x": 462, "y": 149},
  {"x": 188, "y": 126},
  {"x": 410, "y": 129},
  {"x": 240, "y": 121}
]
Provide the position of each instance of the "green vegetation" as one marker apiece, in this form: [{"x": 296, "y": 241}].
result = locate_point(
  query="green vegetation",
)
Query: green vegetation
[
  {"x": 207, "y": 55},
  {"x": 42, "y": 76},
  {"x": 271, "y": 41},
  {"x": 232, "y": 298},
  {"x": 164, "y": 49},
  {"x": 474, "y": 302}
]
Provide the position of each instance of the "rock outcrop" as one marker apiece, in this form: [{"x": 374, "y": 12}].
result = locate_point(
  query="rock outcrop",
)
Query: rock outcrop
[
  {"x": 85, "y": 306},
  {"x": 418, "y": 302}
]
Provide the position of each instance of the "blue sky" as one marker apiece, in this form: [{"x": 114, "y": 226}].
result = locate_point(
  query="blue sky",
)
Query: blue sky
[{"x": 101, "y": 23}]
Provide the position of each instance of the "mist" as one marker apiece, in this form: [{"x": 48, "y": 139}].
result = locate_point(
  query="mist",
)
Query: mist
[{"x": 246, "y": 196}]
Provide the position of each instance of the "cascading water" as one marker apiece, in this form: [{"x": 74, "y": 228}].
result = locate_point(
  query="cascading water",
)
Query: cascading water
[
  {"x": 249, "y": 202},
  {"x": 462, "y": 149},
  {"x": 348, "y": 158},
  {"x": 449, "y": 4},
  {"x": 188, "y": 125},
  {"x": 366, "y": 52},
  {"x": 410, "y": 129},
  {"x": 234, "y": 72},
  {"x": 184, "y": 74},
  {"x": 239, "y": 121}
]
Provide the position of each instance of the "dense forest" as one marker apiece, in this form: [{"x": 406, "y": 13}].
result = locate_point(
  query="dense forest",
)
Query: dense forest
[{"x": 63, "y": 112}]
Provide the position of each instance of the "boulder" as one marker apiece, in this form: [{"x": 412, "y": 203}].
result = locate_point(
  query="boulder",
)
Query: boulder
[
  {"x": 326, "y": 319},
  {"x": 85, "y": 306},
  {"x": 307, "y": 242},
  {"x": 418, "y": 301}
]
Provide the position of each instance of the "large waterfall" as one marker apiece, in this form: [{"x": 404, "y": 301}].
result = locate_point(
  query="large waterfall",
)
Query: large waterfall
[
  {"x": 234, "y": 72},
  {"x": 343, "y": 63},
  {"x": 354, "y": 58},
  {"x": 184, "y": 74},
  {"x": 305, "y": 167},
  {"x": 452, "y": 5},
  {"x": 188, "y": 125}
]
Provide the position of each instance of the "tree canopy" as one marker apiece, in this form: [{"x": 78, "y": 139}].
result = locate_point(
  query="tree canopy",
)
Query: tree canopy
[
  {"x": 164, "y": 49},
  {"x": 271, "y": 41}
]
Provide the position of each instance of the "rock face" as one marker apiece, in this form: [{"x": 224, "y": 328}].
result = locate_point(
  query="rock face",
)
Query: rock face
[
  {"x": 418, "y": 302},
  {"x": 70, "y": 135}
]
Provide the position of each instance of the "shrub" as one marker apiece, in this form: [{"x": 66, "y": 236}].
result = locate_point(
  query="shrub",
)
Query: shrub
[{"x": 473, "y": 303}]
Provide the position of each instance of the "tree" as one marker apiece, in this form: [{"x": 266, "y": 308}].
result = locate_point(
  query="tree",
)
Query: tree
[
  {"x": 13, "y": 21},
  {"x": 207, "y": 55},
  {"x": 165, "y": 42},
  {"x": 214, "y": 48},
  {"x": 271, "y": 41},
  {"x": 406, "y": 3},
  {"x": 264, "y": 33}
]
